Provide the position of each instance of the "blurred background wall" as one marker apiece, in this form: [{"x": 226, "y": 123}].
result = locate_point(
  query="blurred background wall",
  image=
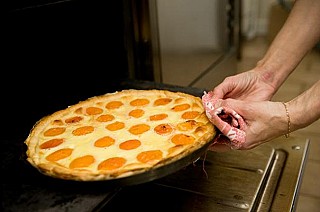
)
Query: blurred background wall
[{"x": 263, "y": 18}]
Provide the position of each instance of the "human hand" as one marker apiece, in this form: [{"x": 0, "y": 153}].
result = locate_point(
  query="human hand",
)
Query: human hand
[
  {"x": 265, "y": 120},
  {"x": 249, "y": 86}
]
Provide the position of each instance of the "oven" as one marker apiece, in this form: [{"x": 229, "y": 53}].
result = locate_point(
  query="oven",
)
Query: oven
[
  {"x": 62, "y": 52},
  {"x": 266, "y": 178}
]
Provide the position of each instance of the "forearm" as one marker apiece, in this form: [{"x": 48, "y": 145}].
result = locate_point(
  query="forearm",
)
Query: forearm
[
  {"x": 299, "y": 34},
  {"x": 305, "y": 108}
]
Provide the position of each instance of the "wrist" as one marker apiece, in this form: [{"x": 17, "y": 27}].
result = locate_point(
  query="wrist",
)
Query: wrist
[
  {"x": 272, "y": 73},
  {"x": 265, "y": 73},
  {"x": 276, "y": 66},
  {"x": 304, "y": 109}
]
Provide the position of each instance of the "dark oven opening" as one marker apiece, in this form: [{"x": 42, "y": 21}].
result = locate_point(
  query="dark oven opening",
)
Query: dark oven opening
[{"x": 59, "y": 53}]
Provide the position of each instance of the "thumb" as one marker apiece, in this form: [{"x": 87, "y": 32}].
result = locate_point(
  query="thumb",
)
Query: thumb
[{"x": 218, "y": 92}]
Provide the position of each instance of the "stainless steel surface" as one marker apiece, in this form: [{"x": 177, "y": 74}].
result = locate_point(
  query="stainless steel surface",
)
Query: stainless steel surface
[
  {"x": 263, "y": 179},
  {"x": 296, "y": 151}
]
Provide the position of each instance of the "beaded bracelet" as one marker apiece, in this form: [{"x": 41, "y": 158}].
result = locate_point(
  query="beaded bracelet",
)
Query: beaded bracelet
[{"x": 288, "y": 118}]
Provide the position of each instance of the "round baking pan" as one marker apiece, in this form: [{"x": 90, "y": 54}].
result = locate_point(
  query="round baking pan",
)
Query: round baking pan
[
  {"x": 161, "y": 171},
  {"x": 138, "y": 178}
]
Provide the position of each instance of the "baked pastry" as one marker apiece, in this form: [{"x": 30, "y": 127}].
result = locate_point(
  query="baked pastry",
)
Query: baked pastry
[{"x": 118, "y": 134}]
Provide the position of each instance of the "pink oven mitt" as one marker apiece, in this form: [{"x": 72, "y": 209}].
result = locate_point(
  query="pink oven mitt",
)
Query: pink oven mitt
[{"x": 230, "y": 124}]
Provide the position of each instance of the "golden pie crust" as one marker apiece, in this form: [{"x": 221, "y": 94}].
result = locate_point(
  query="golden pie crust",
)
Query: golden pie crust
[{"x": 118, "y": 135}]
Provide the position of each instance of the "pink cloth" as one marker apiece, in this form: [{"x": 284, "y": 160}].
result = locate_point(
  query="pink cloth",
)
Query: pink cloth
[{"x": 230, "y": 124}]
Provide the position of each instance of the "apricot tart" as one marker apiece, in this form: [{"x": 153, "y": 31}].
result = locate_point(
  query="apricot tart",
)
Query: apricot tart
[{"x": 118, "y": 135}]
